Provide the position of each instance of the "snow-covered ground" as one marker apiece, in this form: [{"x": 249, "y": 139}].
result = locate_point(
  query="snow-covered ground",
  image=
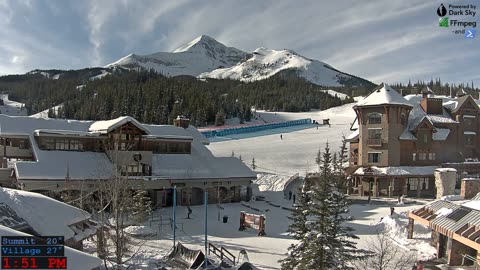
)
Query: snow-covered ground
[
  {"x": 44, "y": 113},
  {"x": 264, "y": 251},
  {"x": 11, "y": 107},
  {"x": 296, "y": 151},
  {"x": 335, "y": 93}
]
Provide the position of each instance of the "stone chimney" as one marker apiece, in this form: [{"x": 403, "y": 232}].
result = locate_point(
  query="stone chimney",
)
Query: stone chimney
[{"x": 181, "y": 122}]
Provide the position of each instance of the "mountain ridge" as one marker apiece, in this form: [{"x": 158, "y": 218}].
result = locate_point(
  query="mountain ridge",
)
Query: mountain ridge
[{"x": 204, "y": 57}]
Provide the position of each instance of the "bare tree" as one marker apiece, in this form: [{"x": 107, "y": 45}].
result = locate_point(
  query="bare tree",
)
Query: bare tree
[
  {"x": 116, "y": 206},
  {"x": 385, "y": 254}
]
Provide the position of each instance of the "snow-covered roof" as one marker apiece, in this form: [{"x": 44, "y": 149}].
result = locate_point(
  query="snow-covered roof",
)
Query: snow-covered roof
[
  {"x": 407, "y": 135},
  {"x": 53, "y": 165},
  {"x": 76, "y": 260},
  {"x": 199, "y": 166},
  {"x": 170, "y": 137},
  {"x": 106, "y": 126},
  {"x": 441, "y": 134},
  {"x": 45, "y": 215},
  {"x": 417, "y": 115},
  {"x": 397, "y": 170},
  {"x": 445, "y": 170},
  {"x": 70, "y": 133},
  {"x": 384, "y": 95},
  {"x": 353, "y": 136}
]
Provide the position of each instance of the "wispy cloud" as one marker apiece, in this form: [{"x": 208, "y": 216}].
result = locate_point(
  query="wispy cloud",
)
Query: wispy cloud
[{"x": 380, "y": 40}]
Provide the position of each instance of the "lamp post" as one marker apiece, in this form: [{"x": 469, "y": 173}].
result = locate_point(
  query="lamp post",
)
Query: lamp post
[
  {"x": 174, "y": 214},
  {"x": 205, "y": 200}
]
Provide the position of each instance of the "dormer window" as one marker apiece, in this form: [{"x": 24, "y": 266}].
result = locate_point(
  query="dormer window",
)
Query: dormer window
[
  {"x": 403, "y": 119},
  {"x": 374, "y": 118}
]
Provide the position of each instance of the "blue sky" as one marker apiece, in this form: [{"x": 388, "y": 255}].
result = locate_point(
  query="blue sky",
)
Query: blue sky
[{"x": 387, "y": 41}]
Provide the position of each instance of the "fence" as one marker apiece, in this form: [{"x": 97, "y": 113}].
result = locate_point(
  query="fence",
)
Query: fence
[{"x": 239, "y": 130}]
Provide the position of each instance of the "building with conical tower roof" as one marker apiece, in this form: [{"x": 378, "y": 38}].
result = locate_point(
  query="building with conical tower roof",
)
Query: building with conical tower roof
[{"x": 400, "y": 141}]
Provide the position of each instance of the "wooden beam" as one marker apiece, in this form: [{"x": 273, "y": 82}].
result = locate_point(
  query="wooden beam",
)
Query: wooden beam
[{"x": 419, "y": 219}]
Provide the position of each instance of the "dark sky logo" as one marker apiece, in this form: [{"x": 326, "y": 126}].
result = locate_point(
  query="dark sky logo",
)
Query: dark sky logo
[{"x": 441, "y": 11}]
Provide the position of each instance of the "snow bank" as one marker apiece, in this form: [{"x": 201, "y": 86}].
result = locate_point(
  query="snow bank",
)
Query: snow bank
[
  {"x": 140, "y": 231},
  {"x": 452, "y": 198},
  {"x": 271, "y": 182},
  {"x": 396, "y": 228}
]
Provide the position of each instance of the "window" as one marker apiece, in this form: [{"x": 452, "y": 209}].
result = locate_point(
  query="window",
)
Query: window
[
  {"x": 414, "y": 156},
  {"x": 425, "y": 138},
  {"x": 431, "y": 156},
  {"x": 403, "y": 119},
  {"x": 373, "y": 157},
  {"x": 422, "y": 156},
  {"x": 374, "y": 133},
  {"x": 47, "y": 143},
  {"x": 418, "y": 183},
  {"x": 424, "y": 183},
  {"x": 468, "y": 140},
  {"x": 468, "y": 122},
  {"x": 76, "y": 145},
  {"x": 374, "y": 118},
  {"x": 61, "y": 144},
  {"x": 412, "y": 184}
]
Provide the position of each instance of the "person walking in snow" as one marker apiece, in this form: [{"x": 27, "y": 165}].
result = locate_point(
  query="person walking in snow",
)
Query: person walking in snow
[
  {"x": 189, "y": 212},
  {"x": 392, "y": 210},
  {"x": 281, "y": 137}
]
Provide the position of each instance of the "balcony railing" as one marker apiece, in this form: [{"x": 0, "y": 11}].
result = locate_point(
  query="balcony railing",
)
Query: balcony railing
[{"x": 374, "y": 142}]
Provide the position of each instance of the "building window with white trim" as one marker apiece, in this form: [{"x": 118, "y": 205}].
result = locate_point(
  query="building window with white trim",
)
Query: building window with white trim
[
  {"x": 373, "y": 157},
  {"x": 414, "y": 156},
  {"x": 422, "y": 156},
  {"x": 431, "y": 156},
  {"x": 375, "y": 118}
]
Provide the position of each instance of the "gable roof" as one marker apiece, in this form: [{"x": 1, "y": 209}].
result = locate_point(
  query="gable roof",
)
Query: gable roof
[
  {"x": 383, "y": 95},
  {"x": 462, "y": 101},
  {"x": 45, "y": 215},
  {"x": 427, "y": 121},
  {"x": 107, "y": 126}
]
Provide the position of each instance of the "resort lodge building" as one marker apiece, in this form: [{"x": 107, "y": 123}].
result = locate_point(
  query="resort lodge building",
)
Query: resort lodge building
[
  {"x": 400, "y": 141},
  {"x": 53, "y": 155}
]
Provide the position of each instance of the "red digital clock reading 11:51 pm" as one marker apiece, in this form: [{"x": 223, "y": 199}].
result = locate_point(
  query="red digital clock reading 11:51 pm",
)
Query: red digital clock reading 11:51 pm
[{"x": 34, "y": 263}]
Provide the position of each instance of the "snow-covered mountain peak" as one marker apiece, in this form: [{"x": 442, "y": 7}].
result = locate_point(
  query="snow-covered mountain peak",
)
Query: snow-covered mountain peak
[
  {"x": 198, "y": 42},
  {"x": 200, "y": 55},
  {"x": 205, "y": 57}
]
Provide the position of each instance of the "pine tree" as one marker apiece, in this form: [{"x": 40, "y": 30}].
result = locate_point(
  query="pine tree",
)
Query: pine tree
[
  {"x": 325, "y": 242},
  {"x": 299, "y": 229},
  {"x": 141, "y": 207},
  {"x": 220, "y": 118}
]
